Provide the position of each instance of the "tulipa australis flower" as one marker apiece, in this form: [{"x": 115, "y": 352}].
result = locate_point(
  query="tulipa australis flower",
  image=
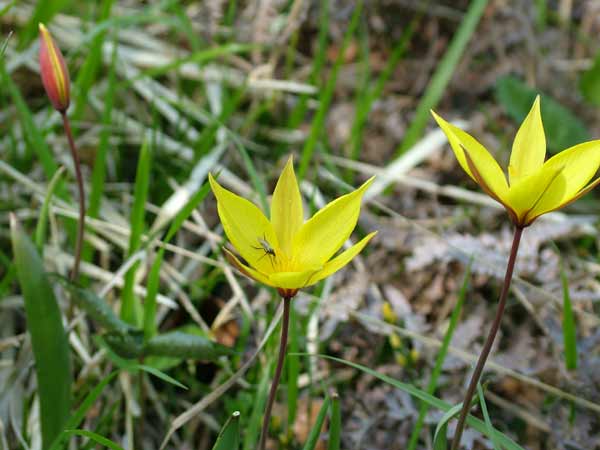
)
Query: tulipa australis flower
[
  {"x": 53, "y": 70},
  {"x": 286, "y": 252},
  {"x": 533, "y": 187}
]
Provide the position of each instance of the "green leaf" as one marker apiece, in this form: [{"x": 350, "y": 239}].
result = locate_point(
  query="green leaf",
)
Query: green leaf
[
  {"x": 440, "y": 441},
  {"x": 48, "y": 338},
  {"x": 87, "y": 73},
  {"x": 142, "y": 181},
  {"x": 154, "y": 274},
  {"x": 315, "y": 432},
  {"x": 183, "y": 345},
  {"x": 563, "y": 129},
  {"x": 318, "y": 123},
  {"x": 43, "y": 12},
  {"x": 486, "y": 417},
  {"x": 229, "y": 437},
  {"x": 159, "y": 374},
  {"x": 40, "y": 231},
  {"x": 126, "y": 345},
  {"x": 78, "y": 416},
  {"x": 95, "y": 437},
  {"x": 568, "y": 323},
  {"x": 439, "y": 361},
  {"x": 335, "y": 426},
  {"x": 97, "y": 308},
  {"x": 32, "y": 135},
  {"x": 589, "y": 83},
  {"x": 435, "y": 402}
]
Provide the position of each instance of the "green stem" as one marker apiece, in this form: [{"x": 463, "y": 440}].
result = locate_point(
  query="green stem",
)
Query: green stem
[
  {"x": 282, "y": 350},
  {"x": 487, "y": 347},
  {"x": 79, "y": 177}
]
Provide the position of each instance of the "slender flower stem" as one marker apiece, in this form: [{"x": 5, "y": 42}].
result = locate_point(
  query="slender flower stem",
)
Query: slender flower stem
[
  {"x": 282, "y": 350},
  {"x": 489, "y": 341},
  {"x": 81, "y": 224}
]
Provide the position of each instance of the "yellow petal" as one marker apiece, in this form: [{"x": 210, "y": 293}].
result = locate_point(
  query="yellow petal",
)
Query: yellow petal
[
  {"x": 489, "y": 171},
  {"x": 286, "y": 208},
  {"x": 248, "y": 271},
  {"x": 580, "y": 164},
  {"x": 483, "y": 183},
  {"x": 342, "y": 259},
  {"x": 324, "y": 233},
  {"x": 529, "y": 191},
  {"x": 536, "y": 212},
  {"x": 246, "y": 227},
  {"x": 529, "y": 147},
  {"x": 293, "y": 280}
]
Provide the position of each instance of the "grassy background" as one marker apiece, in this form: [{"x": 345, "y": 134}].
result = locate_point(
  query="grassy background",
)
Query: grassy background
[{"x": 164, "y": 92}]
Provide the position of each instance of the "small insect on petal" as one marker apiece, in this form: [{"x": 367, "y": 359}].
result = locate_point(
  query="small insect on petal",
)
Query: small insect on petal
[{"x": 53, "y": 71}]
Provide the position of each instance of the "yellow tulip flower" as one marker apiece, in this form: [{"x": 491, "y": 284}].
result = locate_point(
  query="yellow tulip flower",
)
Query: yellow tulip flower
[
  {"x": 286, "y": 252},
  {"x": 533, "y": 187}
]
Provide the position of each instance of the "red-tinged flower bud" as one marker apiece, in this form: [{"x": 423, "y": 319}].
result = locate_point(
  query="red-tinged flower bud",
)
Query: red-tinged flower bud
[{"x": 53, "y": 70}]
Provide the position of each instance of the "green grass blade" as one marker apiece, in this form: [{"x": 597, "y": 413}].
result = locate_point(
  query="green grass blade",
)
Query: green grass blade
[
  {"x": 298, "y": 113},
  {"x": 154, "y": 274},
  {"x": 363, "y": 110},
  {"x": 315, "y": 432},
  {"x": 326, "y": 96},
  {"x": 229, "y": 437},
  {"x": 335, "y": 426},
  {"x": 443, "y": 74},
  {"x": 87, "y": 73},
  {"x": 48, "y": 338},
  {"x": 78, "y": 416},
  {"x": 260, "y": 400},
  {"x": 160, "y": 375},
  {"x": 568, "y": 323},
  {"x": 486, "y": 417},
  {"x": 99, "y": 439},
  {"x": 440, "y": 440},
  {"x": 434, "y": 402},
  {"x": 33, "y": 137},
  {"x": 40, "y": 230},
  {"x": 142, "y": 179},
  {"x": 99, "y": 171},
  {"x": 43, "y": 12},
  {"x": 437, "y": 369}
]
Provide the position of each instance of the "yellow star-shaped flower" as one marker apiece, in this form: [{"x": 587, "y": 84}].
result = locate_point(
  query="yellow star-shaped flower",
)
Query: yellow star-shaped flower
[
  {"x": 286, "y": 252},
  {"x": 533, "y": 187}
]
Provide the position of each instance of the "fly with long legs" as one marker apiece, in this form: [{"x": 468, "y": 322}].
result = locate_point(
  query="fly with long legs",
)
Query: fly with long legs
[{"x": 266, "y": 247}]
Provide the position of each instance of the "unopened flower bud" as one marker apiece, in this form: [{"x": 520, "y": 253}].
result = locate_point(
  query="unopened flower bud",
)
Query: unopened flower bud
[{"x": 53, "y": 70}]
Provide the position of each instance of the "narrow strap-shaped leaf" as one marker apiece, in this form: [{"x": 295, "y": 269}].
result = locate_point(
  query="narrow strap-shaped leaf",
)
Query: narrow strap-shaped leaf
[
  {"x": 229, "y": 437},
  {"x": 48, "y": 338},
  {"x": 315, "y": 432},
  {"x": 486, "y": 418},
  {"x": 335, "y": 427},
  {"x": 142, "y": 181},
  {"x": 97, "y": 308},
  {"x": 40, "y": 230},
  {"x": 182, "y": 345}
]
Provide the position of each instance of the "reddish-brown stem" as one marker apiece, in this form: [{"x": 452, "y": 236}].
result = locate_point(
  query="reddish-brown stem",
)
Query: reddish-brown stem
[
  {"x": 79, "y": 177},
  {"x": 281, "y": 358},
  {"x": 487, "y": 347}
]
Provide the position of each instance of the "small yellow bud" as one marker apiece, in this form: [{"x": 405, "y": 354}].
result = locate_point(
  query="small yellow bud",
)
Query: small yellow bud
[
  {"x": 395, "y": 341},
  {"x": 388, "y": 313}
]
